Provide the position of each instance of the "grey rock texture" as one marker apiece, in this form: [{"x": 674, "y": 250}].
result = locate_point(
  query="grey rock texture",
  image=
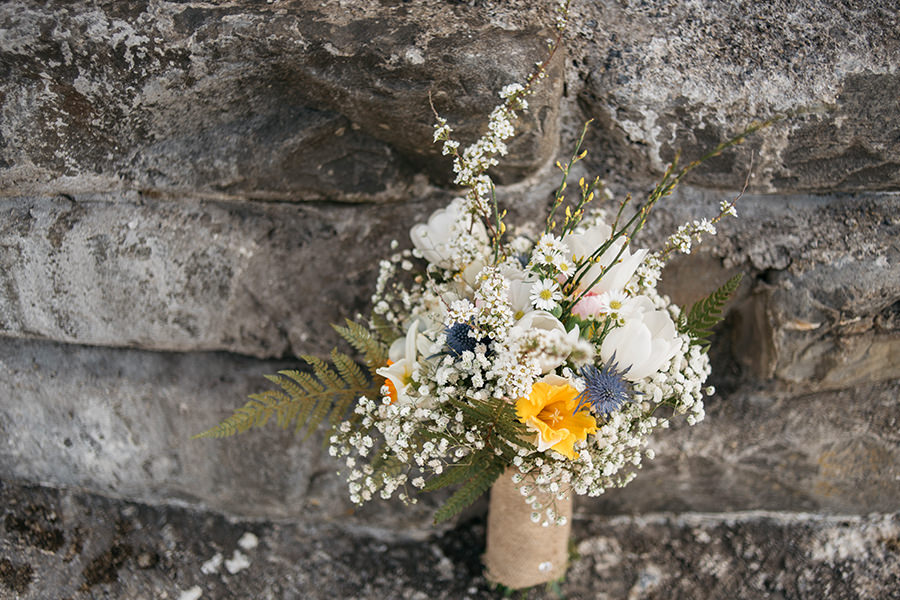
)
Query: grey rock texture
[
  {"x": 667, "y": 76},
  {"x": 64, "y": 544},
  {"x": 818, "y": 308},
  {"x": 280, "y": 100},
  {"x": 823, "y": 452},
  {"x": 119, "y": 422},
  {"x": 191, "y": 192},
  {"x": 190, "y": 275}
]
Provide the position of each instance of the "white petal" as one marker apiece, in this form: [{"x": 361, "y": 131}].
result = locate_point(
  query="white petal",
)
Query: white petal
[{"x": 631, "y": 344}]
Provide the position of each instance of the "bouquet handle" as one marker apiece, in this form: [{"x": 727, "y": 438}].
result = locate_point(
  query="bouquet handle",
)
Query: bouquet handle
[{"x": 520, "y": 553}]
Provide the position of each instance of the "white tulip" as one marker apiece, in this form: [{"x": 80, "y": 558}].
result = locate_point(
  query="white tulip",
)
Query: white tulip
[
  {"x": 646, "y": 341},
  {"x": 583, "y": 244}
]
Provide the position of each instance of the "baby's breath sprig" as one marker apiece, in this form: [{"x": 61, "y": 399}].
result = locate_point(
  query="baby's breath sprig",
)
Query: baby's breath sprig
[
  {"x": 471, "y": 165},
  {"x": 687, "y": 233}
]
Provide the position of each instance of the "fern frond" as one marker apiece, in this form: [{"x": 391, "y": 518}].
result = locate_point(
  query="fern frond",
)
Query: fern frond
[
  {"x": 706, "y": 313},
  {"x": 339, "y": 409},
  {"x": 305, "y": 380},
  {"x": 479, "y": 413},
  {"x": 348, "y": 369},
  {"x": 304, "y": 400},
  {"x": 451, "y": 475},
  {"x": 255, "y": 413},
  {"x": 324, "y": 372},
  {"x": 304, "y": 403},
  {"x": 373, "y": 350},
  {"x": 288, "y": 385},
  {"x": 475, "y": 486},
  {"x": 316, "y": 417},
  {"x": 503, "y": 421}
]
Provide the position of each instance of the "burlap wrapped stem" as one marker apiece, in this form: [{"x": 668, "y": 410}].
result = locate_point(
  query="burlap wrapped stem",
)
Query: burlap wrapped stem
[{"x": 519, "y": 552}]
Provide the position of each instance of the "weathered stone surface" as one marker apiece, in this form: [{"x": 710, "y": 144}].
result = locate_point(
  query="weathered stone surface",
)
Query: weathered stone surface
[
  {"x": 137, "y": 142},
  {"x": 110, "y": 549},
  {"x": 119, "y": 422},
  {"x": 827, "y": 452},
  {"x": 744, "y": 555},
  {"x": 287, "y": 100},
  {"x": 300, "y": 100},
  {"x": 667, "y": 75},
  {"x": 818, "y": 309},
  {"x": 264, "y": 279}
]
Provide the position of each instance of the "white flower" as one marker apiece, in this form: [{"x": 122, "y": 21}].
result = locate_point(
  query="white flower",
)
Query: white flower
[
  {"x": 545, "y": 294},
  {"x": 563, "y": 265},
  {"x": 644, "y": 343},
  {"x": 520, "y": 285},
  {"x": 583, "y": 243},
  {"x": 403, "y": 354},
  {"x": 439, "y": 240},
  {"x": 544, "y": 324},
  {"x": 548, "y": 250}
]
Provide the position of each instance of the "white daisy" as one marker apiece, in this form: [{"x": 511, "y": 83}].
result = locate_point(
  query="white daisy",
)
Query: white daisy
[{"x": 545, "y": 294}]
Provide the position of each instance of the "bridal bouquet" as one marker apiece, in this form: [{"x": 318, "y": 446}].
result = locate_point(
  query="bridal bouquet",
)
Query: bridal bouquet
[{"x": 537, "y": 359}]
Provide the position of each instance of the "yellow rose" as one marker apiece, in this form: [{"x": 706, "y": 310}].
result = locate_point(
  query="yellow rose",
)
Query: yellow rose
[{"x": 550, "y": 411}]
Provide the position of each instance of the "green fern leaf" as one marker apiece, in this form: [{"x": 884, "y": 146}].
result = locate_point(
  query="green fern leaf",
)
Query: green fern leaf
[
  {"x": 451, "y": 475},
  {"x": 288, "y": 385},
  {"x": 374, "y": 351},
  {"x": 255, "y": 413},
  {"x": 348, "y": 370},
  {"x": 477, "y": 412},
  {"x": 339, "y": 409},
  {"x": 706, "y": 313},
  {"x": 474, "y": 487},
  {"x": 324, "y": 372},
  {"x": 304, "y": 380},
  {"x": 316, "y": 417},
  {"x": 304, "y": 400}
]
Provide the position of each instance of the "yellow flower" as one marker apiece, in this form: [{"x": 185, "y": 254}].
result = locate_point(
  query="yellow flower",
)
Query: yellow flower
[{"x": 550, "y": 412}]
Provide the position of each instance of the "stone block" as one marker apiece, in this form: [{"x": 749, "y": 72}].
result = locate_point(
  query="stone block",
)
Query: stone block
[
  {"x": 822, "y": 452},
  {"x": 818, "y": 307},
  {"x": 262, "y": 279},
  {"x": 665, "y": 77},
  {"x": 289, "y": 100},
  {"x": 127, "y": 550},
  {"x": 119, "y": 422}
]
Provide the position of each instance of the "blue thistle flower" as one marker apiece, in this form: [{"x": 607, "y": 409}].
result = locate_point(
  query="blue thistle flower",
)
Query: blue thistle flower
[
  {"x": 605, "y": 390},
  {"x": 459, "y": 340}
]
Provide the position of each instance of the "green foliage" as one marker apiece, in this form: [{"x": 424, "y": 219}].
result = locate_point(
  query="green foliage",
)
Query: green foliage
[
  {"x": 704, "y": 314},
  {"x": 483, "y": 470},
  {"x": 504, "y": 435},
  {"x": 305, "y": 400},
  {"x": 255, "y": 413},
  {"x": 374, "y": 351}
]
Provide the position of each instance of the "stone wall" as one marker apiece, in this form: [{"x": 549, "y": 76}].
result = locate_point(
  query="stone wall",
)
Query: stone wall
[{"x": 190, "y": 193}]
